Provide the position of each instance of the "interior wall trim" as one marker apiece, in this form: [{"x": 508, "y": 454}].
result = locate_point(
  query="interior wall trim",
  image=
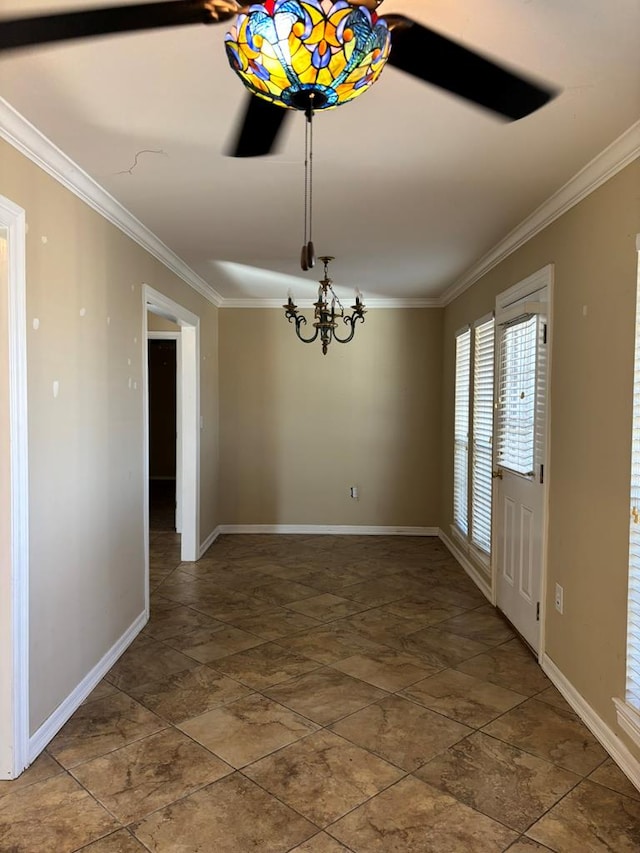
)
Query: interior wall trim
[
  {"x": 29, "y": 141},
  {"x": 208, "y": 542},
  {"x": 188, "y": 408},
  {"x": 15, "y": 655},
  {"x": 370, "y": 302},
  {"x": 622, "y": 151},
  {"x": 70, "y": 705},
  {"x": 482, "y": 584},
  {"x": 622, "y": 756},
  {"x": 163, "y": 336},
  {"x": 329, "y": 529}
]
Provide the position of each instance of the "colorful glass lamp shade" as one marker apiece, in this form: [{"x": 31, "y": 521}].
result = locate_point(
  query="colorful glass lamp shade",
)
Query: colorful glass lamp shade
[{"x": 287, "y": 50}]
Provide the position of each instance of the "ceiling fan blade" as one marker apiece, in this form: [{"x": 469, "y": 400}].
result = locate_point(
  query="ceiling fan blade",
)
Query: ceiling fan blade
[
  {"x": 42, "y": 29},
  {"x": 436, "y": 59},
  {"x": 259, "y": 129}
]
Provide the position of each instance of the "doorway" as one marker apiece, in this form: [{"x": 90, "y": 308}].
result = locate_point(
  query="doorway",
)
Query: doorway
[
  {"x": 520, "y": 465},
  {"x": 164, "y": 429},
  {"x": 187, "y": 423}
]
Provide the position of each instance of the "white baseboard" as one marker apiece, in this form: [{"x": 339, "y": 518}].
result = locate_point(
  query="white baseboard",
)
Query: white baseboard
[
  {"x": 208, "y": 542},
  {"x": 467, "y": 565},
  {"x": 629, "y": 765},
  {"x": 329, "y": 529},
  {"x": 68, "y": 706}
]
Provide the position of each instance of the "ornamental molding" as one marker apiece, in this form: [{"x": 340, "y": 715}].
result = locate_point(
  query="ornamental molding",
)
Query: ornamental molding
[
  {"x": 622, "y": 151},
  {"x": 26, "y": 138},
  {"x": 370, "y": 303}
]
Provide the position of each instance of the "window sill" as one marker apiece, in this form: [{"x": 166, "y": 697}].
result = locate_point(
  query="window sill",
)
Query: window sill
[
  {"x": 480, "y": 558},
  {"x": 628, "y": 719},
  {"x": 459, "y": 538}
]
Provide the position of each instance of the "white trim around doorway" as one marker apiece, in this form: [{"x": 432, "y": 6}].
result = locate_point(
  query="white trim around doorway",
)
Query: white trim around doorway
[
  {"x": 14, "y": 754},
  {"x": 189, "y": 358}
]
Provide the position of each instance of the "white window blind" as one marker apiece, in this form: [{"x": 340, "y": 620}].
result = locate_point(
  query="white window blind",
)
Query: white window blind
[
  {"x": 516, "y": 439},
  {"x": 481, "y": 480},
  {"x": 461, "y": 432},
  {"x": 633, "y": 611}
]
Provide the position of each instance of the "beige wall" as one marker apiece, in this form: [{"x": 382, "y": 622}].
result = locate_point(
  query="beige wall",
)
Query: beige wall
[
  {"x": 298, "y": 428},
  {"x": 155, "y": 323},
  {"x": 85, "y": 459},
  {"x": 593, "y": 250}
]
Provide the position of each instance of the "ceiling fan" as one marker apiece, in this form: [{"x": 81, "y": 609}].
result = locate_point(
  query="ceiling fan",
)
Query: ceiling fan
[{"x": 354, "y": 25}]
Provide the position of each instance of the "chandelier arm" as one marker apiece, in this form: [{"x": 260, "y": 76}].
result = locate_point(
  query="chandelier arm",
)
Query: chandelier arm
[
  {"x": 349, "y": 320},
  {"x": 306, "y": 340},
  {"x": 302, "y": 321}
]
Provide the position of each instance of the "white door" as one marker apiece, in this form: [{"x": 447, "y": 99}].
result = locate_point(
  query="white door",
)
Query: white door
[{"x": 519, "y": 457}]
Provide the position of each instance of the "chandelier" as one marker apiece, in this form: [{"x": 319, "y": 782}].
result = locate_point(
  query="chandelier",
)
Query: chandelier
[
  {"x": 328, "y": 310},
  {"x": 287, "y": 50}
]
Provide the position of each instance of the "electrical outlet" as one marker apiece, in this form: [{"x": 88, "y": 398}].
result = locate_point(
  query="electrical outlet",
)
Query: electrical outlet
[
  {"x": 354, "y": 492},
  {"x": 559, "y": 598}
]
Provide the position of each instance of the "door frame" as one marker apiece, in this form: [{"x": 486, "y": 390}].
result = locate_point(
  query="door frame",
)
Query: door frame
[
  {"x": 542, "y": 278},
  {"x": 14, "y": 608},
  {"x": 175, "y": 336},
  {"x": 189, "y": 348}
]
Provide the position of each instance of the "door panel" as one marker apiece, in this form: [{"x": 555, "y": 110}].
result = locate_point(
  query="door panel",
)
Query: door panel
[
  {"x": 526, "y": 550},
  {"x": 508, "y": 540}
]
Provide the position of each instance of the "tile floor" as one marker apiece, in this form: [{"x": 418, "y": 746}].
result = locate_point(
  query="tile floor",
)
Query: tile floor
[{"x": 321, "y": 695}]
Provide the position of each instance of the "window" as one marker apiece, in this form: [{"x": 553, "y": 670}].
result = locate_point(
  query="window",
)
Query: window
[
  {"x": 629, "y": 710},
  {"x": 461, "y": 432},
  {"x": 517, "y": 396},
  {"x": 482, "y": 461},
  {"x": 473, "y": 439},
  {"x": 633, "y": 613}
]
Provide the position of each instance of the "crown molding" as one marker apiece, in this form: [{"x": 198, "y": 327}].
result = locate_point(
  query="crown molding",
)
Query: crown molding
[
  {"x": 29, "y": 141},
  {"x": 604, "y": 166},
  {"x": 26, "y": 138},
  {"x": 33, "y": 144},
  {"x": 381, "y": 302}
]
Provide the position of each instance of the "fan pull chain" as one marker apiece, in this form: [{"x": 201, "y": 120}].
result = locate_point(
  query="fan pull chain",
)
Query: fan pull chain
[
  {"x": 311, "y": 257},
  {"x": 303, "y": 255},
  {"x": 308, "y": 254}
]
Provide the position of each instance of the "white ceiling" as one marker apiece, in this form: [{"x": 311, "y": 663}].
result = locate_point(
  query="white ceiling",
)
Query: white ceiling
[{"x": 412, "y": 185}]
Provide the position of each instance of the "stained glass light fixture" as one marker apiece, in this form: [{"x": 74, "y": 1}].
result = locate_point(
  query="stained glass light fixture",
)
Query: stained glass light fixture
[
  {"x": 287, "y": 50},
  {"x": 308, "y": 55}
]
